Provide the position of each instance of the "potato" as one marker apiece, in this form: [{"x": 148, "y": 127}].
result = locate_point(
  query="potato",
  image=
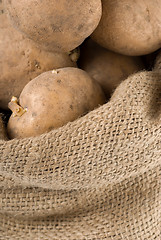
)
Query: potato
[
  {"x": 51, "y": 100},
  {"x": 130, "y": 27},
  {"x": 107, "y": 67},
  {"x": 149, "y": 59},
  {"x": 157, "y": 61},
  {"x": 3, "y": 134},
  {"x": 21, "y": 60},
  {"x": 56, "y": 25}
]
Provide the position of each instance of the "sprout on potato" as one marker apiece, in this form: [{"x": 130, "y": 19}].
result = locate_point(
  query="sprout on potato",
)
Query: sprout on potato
[{"x": 53, "y": 99}]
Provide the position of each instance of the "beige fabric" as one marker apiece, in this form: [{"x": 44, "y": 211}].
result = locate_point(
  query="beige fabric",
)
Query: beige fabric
[{"x": 95, "y": 178}]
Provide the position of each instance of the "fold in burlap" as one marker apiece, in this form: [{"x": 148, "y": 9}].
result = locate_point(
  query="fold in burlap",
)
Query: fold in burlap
[{"x": 95, "y": 178}]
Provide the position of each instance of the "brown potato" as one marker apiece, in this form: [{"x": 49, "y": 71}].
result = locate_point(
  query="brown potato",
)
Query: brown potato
[
  {"x": 107, "y": 67},
  {"x": 51, "y": 100},
  {"x": 157, "y": 61},
  {"x": 3, "y": 134},
  {"x": 149, "y": 59},
  {"x": 56, "y": 25},
  {"x": 21, "y": 60},
  {"x": 130, "y": 27}
]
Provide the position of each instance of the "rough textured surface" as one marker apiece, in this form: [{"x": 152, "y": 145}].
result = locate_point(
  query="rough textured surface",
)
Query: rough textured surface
[
  {"x": 21, "y": 60},
  {"x": 130, "y": 27},
  {"x": 55, "y": 25},
  {"x": 95, "y": 178}
]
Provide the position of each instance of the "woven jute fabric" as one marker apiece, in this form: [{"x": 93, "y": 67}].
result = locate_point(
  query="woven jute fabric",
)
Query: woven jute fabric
[{"x": 95, "y": 178}]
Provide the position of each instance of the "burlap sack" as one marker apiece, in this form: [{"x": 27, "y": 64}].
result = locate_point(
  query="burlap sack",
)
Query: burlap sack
[{"x": 95, "y": 178}]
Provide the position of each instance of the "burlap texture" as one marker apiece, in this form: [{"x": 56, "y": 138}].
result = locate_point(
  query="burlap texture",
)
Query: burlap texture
[{"x": 95, "y": 178}]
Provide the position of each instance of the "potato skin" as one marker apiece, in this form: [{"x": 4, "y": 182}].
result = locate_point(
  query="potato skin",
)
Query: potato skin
[
  {"x": 107, "y": 67},
  {"x": 57, "y": 25},
  {"x": 21, "y": 60},
  {"x": 3, "y": 135},
  {"x": 157, "y": 61},
  {"x": 130, "y": 27},
  {"x": 54, "y": 98}
]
